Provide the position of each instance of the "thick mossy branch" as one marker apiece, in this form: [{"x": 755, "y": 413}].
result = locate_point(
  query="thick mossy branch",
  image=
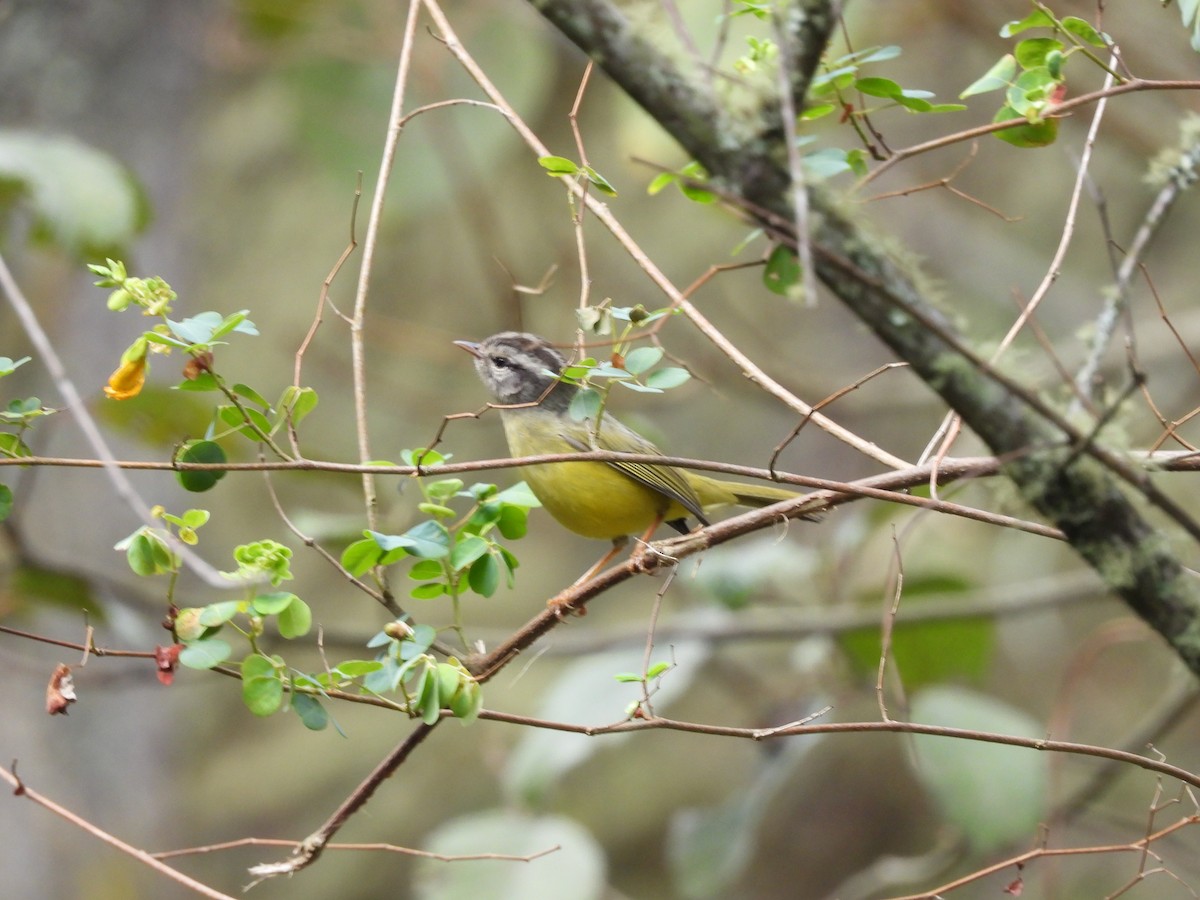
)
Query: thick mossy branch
[{"x": 1074, "y": 489}]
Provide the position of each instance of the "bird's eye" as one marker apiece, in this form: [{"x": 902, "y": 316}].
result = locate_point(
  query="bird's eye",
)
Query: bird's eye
[{"x": 500, "y": 362}]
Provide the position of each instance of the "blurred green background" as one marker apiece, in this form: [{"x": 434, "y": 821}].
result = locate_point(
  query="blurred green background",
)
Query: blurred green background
[{"x": 246, "y": 124}]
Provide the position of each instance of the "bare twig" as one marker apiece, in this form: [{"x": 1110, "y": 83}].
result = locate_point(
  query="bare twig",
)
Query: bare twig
[
  {"x": 20, "y": 789},
  {"x": 373, "y": 848},
  {"x": 358, "y": 319}
]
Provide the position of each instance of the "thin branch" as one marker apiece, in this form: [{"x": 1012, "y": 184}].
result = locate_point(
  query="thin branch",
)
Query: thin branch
[
  {"x": 310, "y": 848},
  {"x": 1182, "y": 176},
  {"x": 373, "y": 847},
  {"x": 20, "y": 789},
  {"x": 322, "y": 299},
  {"x": 1017, "y": 862},
  {"x": 1158, "y": 766},
  {"x": 358, "y": 319}
]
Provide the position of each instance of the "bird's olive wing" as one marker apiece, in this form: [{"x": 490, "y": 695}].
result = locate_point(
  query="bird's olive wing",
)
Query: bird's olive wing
[{"x": 666, "y": 480}]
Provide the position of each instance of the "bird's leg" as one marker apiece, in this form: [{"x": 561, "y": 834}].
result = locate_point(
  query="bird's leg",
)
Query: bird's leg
[
  {"x": 645, "y": 547},
  {"x": 562, "y": 607}
]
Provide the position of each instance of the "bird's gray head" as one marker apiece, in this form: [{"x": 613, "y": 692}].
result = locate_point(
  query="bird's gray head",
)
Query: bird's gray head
[{"x": 518, "y": 367}]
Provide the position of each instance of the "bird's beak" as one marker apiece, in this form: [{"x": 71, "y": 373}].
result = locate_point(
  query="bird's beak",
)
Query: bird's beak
[{"x": 470, "y": 346}]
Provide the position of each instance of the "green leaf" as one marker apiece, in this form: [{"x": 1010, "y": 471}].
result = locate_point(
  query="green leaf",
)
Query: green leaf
[
  {"x": 825, "y": 163},
  {"x": 558, "y": 165},
  {"x": 428, "y": 705},
  {"x": 245, "y": 421},
  {"x": 467, "y": 702},
  {"x": 599, "y": 181},
  {"x": 1036, "y": 19},
  {"x": 79, "y": 198},
  {"x": 205, "y": 381},
  {"x": 256, "y": 665},
  {"x": 640, "y": 388},
  {"x": 1032, "y": 52},
  {"x": 426, "y": 459},
  {"x": 356, "y": 668},
  {"x": 143, "y": 555},
  {"x": 1030, "y": 93},
  {"x": 13, "y": 447},
  {"x": 296, "y": 620},
  {"x": 915, "y": 101},
  {"x": 782, "y": 273},
  {"x": 197, "y": 329},
  {"x": 423, "y": 637},
  {"x": 235, "y": 322},
  {"x": 661, "y": 181},
  {"x": 436, "y": 510},
  {"x": 484, "y": 576},
  {"x": 208, "y": 452},
  {"x": 426, "y": 569},
  {"x": 361, "y": 556},
  {"x": 876, "y": 54},
  {"x": 1083, "y": 30},
  {"x": 585, "y": 404},
  {"x": 8, "y": 366},
  {"x": 817, "y": 111},
  {"x": 249, "y": 393},
  {"x": 187, "y": 624},
  {"x": 219, "y": 613},
  {"x": 205, "y": 653},
  {"x": 444, "y": 488},
  {"x": 263, "y": 694},
  {"x": 519, "y": 494},
  {"x": 428, "y": 540},
  {"x": 998, "y": 77},
  {"x": 467, "y": 550},
  {"x": 195, "y": 518},
  {"x": 513, "y": 521},
  {"x": 312, "y": 714},
  {"x": 642, "y": 358},
  {"x": 299, "y": 402},
  {"x": 6, "y": 501},
  {"x": 878, "y": 87},
  {"x": 832, "y": 81},
  {"x": 428, "y": 591},
  {"x": 273, "y": 603},
  {"x": 1040, "y": 135}
]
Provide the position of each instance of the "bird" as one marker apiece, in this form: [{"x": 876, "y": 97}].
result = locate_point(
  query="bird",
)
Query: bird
[{"x": 603, "y": 500}]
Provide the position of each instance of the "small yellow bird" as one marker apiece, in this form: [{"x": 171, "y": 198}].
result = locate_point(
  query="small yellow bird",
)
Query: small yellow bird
[{"x": 609, "y": 500}]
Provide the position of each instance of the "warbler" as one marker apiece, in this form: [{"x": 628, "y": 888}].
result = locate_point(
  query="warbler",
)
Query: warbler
[{"x": 606, "y": 500}]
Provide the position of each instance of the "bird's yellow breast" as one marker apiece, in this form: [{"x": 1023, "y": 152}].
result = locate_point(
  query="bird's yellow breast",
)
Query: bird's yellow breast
[{"x": 590, "y": 498}]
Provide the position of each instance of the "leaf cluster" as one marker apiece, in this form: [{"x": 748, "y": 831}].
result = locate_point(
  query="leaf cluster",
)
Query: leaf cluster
[{"x": 1033, "y": 75}]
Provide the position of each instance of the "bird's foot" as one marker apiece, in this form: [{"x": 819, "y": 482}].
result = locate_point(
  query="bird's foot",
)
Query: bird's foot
[{"x": 651, "y": 555}]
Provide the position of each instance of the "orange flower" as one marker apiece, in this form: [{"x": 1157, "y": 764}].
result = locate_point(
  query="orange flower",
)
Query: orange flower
[{"x": 127, "y": 381}]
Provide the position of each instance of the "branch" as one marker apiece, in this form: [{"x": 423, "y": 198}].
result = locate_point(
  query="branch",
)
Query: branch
[
  {"x": 807, "y": 727},
  {"x": 1075, "y": 488},
  {"x": 146, "y": 859}
]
